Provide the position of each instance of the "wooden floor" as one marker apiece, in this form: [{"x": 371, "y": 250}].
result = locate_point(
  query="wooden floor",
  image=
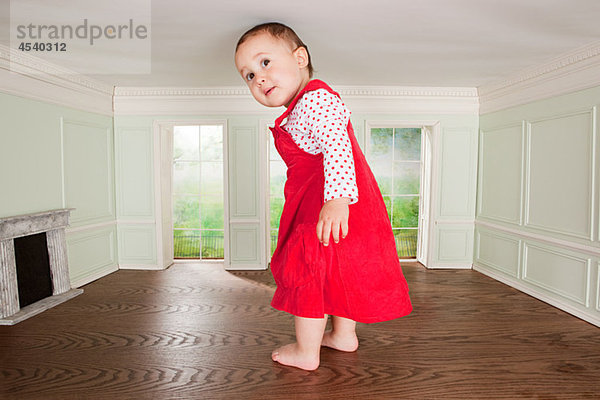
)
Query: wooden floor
[{"x": 198, "y": 332}]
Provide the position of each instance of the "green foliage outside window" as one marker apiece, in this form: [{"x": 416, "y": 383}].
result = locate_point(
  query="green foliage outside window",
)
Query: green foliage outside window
[{"x": 198, "y": 207}]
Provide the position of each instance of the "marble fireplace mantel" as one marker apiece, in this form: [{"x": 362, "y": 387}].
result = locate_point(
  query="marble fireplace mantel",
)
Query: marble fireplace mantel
[{"x": 53, "y": 223}]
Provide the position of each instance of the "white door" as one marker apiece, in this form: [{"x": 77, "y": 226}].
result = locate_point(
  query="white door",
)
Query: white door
[{"x": 425, "y": 201}]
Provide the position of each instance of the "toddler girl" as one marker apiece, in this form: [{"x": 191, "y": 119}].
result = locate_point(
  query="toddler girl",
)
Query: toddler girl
[{"x": 330, "y": 192}]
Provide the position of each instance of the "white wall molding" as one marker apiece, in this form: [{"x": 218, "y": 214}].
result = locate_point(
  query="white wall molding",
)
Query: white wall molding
[
  {"x": 24, "y": 75},
  {"x": 238, "y": 100},
  {"x": 595, "y": 251},
  {"x": 348, "y": 91},
  {"x": 92, "y": 226},
  {"x": 577, "y": 267},
  {"x": 539, "y": 294},
  {"x": 79, "y": 282},
  {"x": 576, "y": 70}
]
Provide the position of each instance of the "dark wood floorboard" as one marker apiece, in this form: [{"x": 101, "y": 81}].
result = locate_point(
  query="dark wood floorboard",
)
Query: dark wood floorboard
[{"x": 198, "y": 332}]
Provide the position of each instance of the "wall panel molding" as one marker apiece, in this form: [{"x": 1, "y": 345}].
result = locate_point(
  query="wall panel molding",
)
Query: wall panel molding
[
  {"x": 455, "y": 244},
  {"x": 245, "y": 242},
  {"x": 134, "y": 154},
  {"x": 517, "y": 218},
  {"x": 244, "y": 173},
  {"x": 137, "y": 244},
  {"x": 457, "y": 187},
  {"x": 553, "y": 189},
  {"x": 81, "y": 178},
  {"x": 90, "y": 227},
  {"x": 501, "y": 248},
  {"x": 555, "y": 277},
  {"x": 92, "y": 254},
  {"x": 524, "y": 234},
  {"x": 598, "y": 286}
]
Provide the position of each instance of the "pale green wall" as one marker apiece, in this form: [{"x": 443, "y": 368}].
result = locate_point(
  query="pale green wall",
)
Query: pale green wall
[
  {"x": 453, "y": 213},
  {"x": 53, "y": 157},
  {"x": 538, "y": 200}
]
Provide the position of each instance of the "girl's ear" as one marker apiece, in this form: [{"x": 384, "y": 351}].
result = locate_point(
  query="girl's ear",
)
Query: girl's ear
[{"x": 301, "y": 56}]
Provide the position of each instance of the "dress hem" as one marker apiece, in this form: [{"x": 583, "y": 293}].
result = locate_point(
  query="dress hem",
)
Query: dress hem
[{"x": 337, "y": 313}]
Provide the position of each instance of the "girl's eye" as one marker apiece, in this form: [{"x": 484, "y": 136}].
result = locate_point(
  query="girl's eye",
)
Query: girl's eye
[
  {"x": 264, "y": 63},
  {"x": 250, "y": 76}
]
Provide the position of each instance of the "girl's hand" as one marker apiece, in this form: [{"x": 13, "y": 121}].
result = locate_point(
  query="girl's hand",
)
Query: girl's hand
[{"x": 333, "y": 216}]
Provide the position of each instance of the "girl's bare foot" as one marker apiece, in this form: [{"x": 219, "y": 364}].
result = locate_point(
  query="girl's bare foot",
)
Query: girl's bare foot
[
  {"x": 346, "y": 342},
  {"x": 291, "y": 355}
]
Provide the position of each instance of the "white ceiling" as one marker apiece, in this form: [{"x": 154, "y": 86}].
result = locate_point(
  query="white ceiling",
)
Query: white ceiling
[{"x": 376, "y": 42}]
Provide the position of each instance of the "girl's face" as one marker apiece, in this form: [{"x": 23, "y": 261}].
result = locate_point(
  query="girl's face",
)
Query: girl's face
[{"x": 272, "y": 69}]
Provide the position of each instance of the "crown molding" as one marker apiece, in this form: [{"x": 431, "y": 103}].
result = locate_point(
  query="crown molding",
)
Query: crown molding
[
  {"x": 576, "y": 70},
  {"x": 237, "y": 99},
  {"x": 406, "y": 91},
  {"x": 25, "y": 75},
  {"x": 350, "y": 91},
  {"x": 184, "y": 92}
]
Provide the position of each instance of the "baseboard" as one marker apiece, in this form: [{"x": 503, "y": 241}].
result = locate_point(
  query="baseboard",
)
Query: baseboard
[
  {"x": 246, "y": 267},
  {"x": 148, "y": 267},
  {"x": 525, "y": 288},
  {"x": 449, "y": 266},
  {"x": 78, "y": 282}
]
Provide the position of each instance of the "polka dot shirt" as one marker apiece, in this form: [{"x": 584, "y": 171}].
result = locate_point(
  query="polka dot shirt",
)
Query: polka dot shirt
[{"x": 318, "y": 124}]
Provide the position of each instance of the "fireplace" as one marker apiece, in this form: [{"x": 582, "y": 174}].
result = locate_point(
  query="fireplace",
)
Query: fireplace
[{"x": 34, "y": 272}]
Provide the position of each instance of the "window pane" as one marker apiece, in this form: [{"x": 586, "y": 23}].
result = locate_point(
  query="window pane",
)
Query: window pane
[
  {"x": 407, "y": 177},
  {"x": 278, "y": 176},
  {"x": 406, "y": 242},
  {"x": 384, "y": 180},
  {"x": 380, "y": 158},
  {"x": 213, "y": 244},
  {"x": 405, "y": 212},
  {"x": 185, "y": 143},
  {"x": 212, "y": 212},
  {"x": 407, "y": 144},
  {"x": 273, "y": 240},
  {"x": 381, "y": 144},
  {"x": 387, "y": 200},
  {"x": 211, "y": 142},
  {"x": 273, "y": 154},
  {"x": 186, "y": 178},
  {"x": 186, "y": 212},
  {"x": 276, "y": 208},
  {"x": 212, "y": 178},
  {"x": 186, "y": 244}
]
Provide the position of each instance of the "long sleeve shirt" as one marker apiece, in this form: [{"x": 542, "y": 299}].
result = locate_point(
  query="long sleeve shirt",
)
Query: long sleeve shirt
[{"x": 318, "y": 124}]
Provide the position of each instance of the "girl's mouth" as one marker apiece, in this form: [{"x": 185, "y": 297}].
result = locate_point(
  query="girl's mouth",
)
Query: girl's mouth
[{"x": 269, "y": 91}]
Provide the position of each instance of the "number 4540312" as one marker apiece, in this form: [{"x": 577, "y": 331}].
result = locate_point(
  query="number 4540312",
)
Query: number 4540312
[{"x": 41, "y": 46}]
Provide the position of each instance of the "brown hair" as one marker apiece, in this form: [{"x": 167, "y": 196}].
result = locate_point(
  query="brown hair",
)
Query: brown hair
[{"x": 280, "y": 31}]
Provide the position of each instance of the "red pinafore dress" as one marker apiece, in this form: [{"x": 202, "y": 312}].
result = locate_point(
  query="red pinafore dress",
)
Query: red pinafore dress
[{"x": 360, "y": 277}]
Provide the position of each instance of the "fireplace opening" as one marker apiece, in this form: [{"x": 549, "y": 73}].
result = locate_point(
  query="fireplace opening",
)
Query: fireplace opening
[{"x": 33, "y": 268}]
